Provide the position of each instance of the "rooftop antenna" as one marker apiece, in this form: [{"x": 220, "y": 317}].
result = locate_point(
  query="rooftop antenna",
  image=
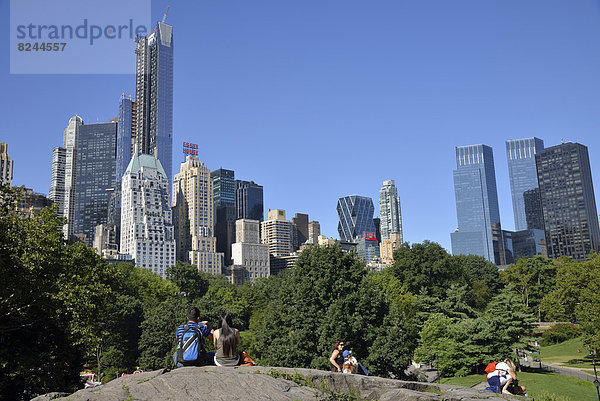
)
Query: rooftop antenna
[{"x": 165, "y": 15}]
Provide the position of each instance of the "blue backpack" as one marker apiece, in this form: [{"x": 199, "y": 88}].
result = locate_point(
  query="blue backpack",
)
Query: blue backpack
[{"x": 190, "y": 350}]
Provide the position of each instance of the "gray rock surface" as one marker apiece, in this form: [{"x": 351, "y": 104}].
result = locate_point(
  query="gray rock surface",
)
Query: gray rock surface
[{"x": 255, "y": 383}]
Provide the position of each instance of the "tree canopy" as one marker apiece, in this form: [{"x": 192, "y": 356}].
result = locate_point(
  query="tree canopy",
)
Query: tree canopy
[{"x": 64, "y": 309}]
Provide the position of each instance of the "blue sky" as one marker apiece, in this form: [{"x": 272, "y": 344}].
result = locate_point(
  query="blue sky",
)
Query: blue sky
[{"x": 316, "y": 100}]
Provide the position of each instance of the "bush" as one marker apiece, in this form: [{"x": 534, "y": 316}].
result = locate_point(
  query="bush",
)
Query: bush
[{"x": 561, "y": 332}]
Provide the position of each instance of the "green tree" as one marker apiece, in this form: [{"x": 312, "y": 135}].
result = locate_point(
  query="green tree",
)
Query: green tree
[
  {"x": 588, "y": 310},
  {"x": 158, "y": 342},
  {"x": 151, "y": 289},
  {"x": 510, "y": 320},
  {"x": 37, "y": 353},
  {"x": 426, "y": 266},
  {"x": 189, "y": 280},
  {"x": 438, "y": 344},
  {"x": 328, "y": 295},
  {"x": 532, "y": 279},
  {"x": 481, "y": 277}
]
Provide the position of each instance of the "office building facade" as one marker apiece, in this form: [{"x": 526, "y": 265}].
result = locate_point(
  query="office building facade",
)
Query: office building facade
[
  {"x": 249, "y": 255},
  {"x": 568, "y": 201},
  {"x": 367, "y": 248},
  {"x": 70, "y": 169},
  {"x": 276, "y": 232},
  {"x": 6, "y": 166},
  {"x": 154, "y": 95},
  {"x": 299, "y": 230},
  {"x": 314, "y": 230},
  {"x": 355, "y": 217},
  {"x": 193, "y": 211},
  {"x": 57, "y": 181},
  {"x": 32, "y": 202},
  {"x": 146, "y": 220},
  {"x": 387, "y": 248},
  {"x": 224, "y": 198},
  {"x": 94, "y": 177},
  {"x": 126, "y": 133},
  {"x": 389, "y": 209},
  {"x": 520, "y": 154},
  {"x": 476, "y": 204},
  {"x": 249, "y": 200},
  {"x": 534, "y": 215}
]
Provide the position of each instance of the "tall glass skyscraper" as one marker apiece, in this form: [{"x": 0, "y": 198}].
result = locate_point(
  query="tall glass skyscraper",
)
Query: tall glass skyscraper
[
  {"x": 94, "y": 176},
  {"x": 154, "y": 95},
  {"x": 125, "y": 133},
  {"x": 356, "y": 217},
  {"x": 520, "y": 154},
  {"x": 389, "y": 209},
  {"x": 249, "y": 200},
  {"x": 568, "y": 201},
  {"x": 477, "y": 209},
  {"x": 225, "y": 212}
]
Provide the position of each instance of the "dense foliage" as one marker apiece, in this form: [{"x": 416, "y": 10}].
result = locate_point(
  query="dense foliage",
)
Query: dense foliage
[{"x": 63, "y": 309}]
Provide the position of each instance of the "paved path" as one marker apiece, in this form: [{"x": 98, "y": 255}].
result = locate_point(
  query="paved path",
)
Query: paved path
[{"x": 561, "y": 370}]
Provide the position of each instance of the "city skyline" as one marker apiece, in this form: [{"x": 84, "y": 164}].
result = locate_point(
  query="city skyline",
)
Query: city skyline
[{"x": 223, "y": 97}]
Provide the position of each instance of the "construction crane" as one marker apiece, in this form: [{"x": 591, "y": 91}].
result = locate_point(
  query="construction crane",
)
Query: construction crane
[{"x": 165, "y": 16}]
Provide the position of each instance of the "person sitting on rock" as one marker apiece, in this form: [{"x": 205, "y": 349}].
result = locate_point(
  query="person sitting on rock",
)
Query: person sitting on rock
[
  {"x": 350, "y": 364},
  {"x": 512, "y": 385},
  {"x": 190, "y": 343},
  {"x": 226, "y": 339},
  {"x": 500, "y": 379},
  {"x": 337, "y": 359}
]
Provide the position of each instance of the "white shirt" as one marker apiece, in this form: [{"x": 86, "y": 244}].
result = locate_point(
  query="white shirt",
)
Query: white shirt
[{"x": 502, "y": 371}]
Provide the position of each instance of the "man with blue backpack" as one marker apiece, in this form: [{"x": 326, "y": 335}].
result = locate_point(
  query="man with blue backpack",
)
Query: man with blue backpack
[{"x": 190, "y": 341}]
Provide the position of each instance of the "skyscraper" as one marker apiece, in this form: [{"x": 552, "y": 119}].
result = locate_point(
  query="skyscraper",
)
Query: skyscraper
[
  {"x": 224, "y": 186},
  {"x": 476, "y": 204},
  {"x": 6, "y": 166},
  {"x": 57, "y": 183},
  {"x": 522, "y": 173},
  {"x": 94, "y": 177},
  {"x": 534, "y": 214},
  {"x": 250, "y": 257},
  {"x": 126, "y": 133},
  {"x": 249, "y": 200},
  {"x": 193, "y": 214},
  {"x": 367, "y": 247},
  {"x": 146, "y": 220},
  {"x": 70, "y": 169},
  {"x": 300, "y": 230},
  {"x": 356, "y": 217},
  {"x": 276, "y": 232},
  {"x": 387, "y": 248},
  {"x": 314, "y": 230},
  {"x": 389, "y": 207},
  {"x": 154, "y": 94},
  {"x": 568, "y": 201}
]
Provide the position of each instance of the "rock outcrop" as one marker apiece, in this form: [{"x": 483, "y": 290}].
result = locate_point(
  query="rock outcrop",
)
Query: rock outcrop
[{"x": 262, "y": 383}]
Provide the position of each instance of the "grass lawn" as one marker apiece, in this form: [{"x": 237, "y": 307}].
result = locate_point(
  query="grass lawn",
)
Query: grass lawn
[
  {"x": 566, "y": 353},
  {"x": 541, "y": 386}
]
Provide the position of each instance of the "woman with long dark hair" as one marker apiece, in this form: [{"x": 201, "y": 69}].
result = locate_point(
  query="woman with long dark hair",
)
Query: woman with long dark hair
[
  {"x": 226, "y": 340},
  {"x": 337, "y": 359}
]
